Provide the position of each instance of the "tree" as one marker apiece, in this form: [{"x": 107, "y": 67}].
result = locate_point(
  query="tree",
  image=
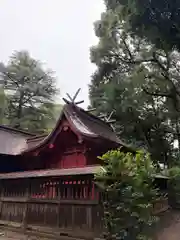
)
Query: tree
[
  {"x": 2, "y": 105},
  {"x": 28, "y": 86},
  {"x": 129, "y": 194},
  {"x": 140, "y": 82},
  {"x": 157, "y": 21},
  {"x": 42, "y": 119}
]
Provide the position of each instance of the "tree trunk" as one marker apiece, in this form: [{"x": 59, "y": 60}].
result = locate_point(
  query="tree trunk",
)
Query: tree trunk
[{"x": 19, "y": 110}]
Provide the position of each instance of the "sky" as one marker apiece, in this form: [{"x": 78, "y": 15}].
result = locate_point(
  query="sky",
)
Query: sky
[{"x": 58, "y": 33}]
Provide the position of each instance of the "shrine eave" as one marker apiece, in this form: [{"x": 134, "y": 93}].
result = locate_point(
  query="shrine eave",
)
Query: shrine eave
[
  {"x": 90, "y": 170},
  {"x": 85, "y": 124}
]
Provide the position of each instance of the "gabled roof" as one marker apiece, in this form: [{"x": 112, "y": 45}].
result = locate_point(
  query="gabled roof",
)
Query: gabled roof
[
  {"x": 16, "y": 131},
  {"x": 12, "y": 140},
  {"x": 83, "y": 122},
  {"x": 89, "y": 125}
]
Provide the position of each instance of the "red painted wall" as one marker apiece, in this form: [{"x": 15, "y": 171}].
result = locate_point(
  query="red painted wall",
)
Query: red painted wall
[
  {"x": 68, "y": 151},
  {"x": 73, "y": 160},
  {"x": 68, "y": 161}
]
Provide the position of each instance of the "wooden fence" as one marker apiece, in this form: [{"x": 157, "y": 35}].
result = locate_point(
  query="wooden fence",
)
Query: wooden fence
[{"x": 65, "y": 206}]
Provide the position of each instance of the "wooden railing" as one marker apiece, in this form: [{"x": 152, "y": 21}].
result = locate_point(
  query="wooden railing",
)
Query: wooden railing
[
  {"x": 62, "y": 206},
  {"x": 73, "y": 210}
]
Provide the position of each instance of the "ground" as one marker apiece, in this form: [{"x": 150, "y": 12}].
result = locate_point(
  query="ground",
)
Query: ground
[
  {"x": 10, "y": 235},
  {"x": 169, "y": 226},
  {"x": 172, "y": 232},
  {"x": 168, "y": 229}
]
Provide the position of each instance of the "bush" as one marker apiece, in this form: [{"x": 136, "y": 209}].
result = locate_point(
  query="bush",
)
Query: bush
[
  {"x": 174, "y": 186},
  {"x": 129, "y": 195}
]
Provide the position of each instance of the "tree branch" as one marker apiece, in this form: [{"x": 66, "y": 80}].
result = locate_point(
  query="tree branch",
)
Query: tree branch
[
  {"x": 11, "y": 78},
  {"x": 157, "y": 94}
]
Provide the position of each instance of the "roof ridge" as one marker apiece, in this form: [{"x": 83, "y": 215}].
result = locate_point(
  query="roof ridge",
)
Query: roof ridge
[
  {"x": 37, "y": 137},
  {"x": 17, "y": 130},
  {"x": 68, "y": 111},
  {"x": 100, "y": 121},
  {"x": 94, "y": 117}
]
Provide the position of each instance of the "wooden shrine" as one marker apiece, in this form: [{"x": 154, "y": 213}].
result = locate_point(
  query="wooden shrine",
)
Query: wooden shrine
[{"x": 47, "y": 181}]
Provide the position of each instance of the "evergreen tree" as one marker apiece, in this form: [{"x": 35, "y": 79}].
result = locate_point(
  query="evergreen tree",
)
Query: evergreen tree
[
  {"x": 30, "y": 92},
  {"x": 2, "y": 105},
  {"x": 139, "y": 81},
  {"x": 157, "y": 21}
]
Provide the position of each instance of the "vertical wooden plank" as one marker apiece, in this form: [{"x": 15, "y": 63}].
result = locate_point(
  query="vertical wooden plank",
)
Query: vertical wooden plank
[
  {"x": 27, "y": 195},
  {"x": 59, "y": 198},
  {"x": 1, "y": 196},
  {"x": 89, "y": 217},
  {"x": 92, "y": 191},
  {"x": 73, "y": 215},
  {"x": 81, "y": 190},
  {"x": 2, "y": 189},
  {"x": 44, "y": 208}
]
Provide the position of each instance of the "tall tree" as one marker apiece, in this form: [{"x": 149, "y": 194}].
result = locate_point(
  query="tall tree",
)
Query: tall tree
[
  {"x": 139, "y": 81},
  {"x": 28, "y": 86},
  {"x": 158, "y": 21},
  {"x": 41, "y": 119},
  {"x": 2, "y": 105}
]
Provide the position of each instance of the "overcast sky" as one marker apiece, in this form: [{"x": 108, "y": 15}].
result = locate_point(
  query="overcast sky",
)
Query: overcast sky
[{"x": 59, "y": 33}]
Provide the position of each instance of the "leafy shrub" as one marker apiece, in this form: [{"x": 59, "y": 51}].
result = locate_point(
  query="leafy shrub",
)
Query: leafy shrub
[
  {"x": 129, "y": 195},
  {"x": 174, "y": 186}
]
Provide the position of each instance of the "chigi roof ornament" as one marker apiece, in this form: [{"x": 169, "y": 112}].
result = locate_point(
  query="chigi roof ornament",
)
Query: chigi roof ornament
[
  {"x": 103, "y": 117},
  {"x": 108, "y": 119},
  {"x": 72, "y": 100}
]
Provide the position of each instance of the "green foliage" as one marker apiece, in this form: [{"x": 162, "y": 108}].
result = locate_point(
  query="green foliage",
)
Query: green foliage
[
  {"x": 139, "y": 82},
  {"x": 42, "y": 119},
  {"x": 157, "y": 21},
  {"x": 174, "y": 186},
  {"x": 2, "y": 105},
  {"x": 129, "y": 195},
  {"x": 174, "y": 172},
  {"x": 30, "y": 92}
]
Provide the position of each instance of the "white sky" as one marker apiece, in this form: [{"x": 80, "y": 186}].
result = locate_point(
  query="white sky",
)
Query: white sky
[{"x": 59, "y": 33}]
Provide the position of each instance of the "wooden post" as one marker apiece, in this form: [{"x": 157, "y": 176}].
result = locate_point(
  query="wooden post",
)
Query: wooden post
[
  {"x": 59, "y": 199},
  {"x": 1, "y": 196},
  {"x": 89, "y": 216},
  {"x": 27, "y": 196},
  {"x": 73, "y": 215}
]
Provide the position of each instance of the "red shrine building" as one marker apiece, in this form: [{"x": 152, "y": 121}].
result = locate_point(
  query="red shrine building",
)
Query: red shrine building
[
  {"x": 48, "y": 180},
  {"x": 71, "y": 149},
  {"x": 77, "y": 140}
]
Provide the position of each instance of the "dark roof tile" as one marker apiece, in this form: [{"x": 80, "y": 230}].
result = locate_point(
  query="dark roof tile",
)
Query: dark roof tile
[
  {"x": 14, "y": 142},
  {"x": 53, "y": 172},
  {"x": 90, "y": 125}
]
